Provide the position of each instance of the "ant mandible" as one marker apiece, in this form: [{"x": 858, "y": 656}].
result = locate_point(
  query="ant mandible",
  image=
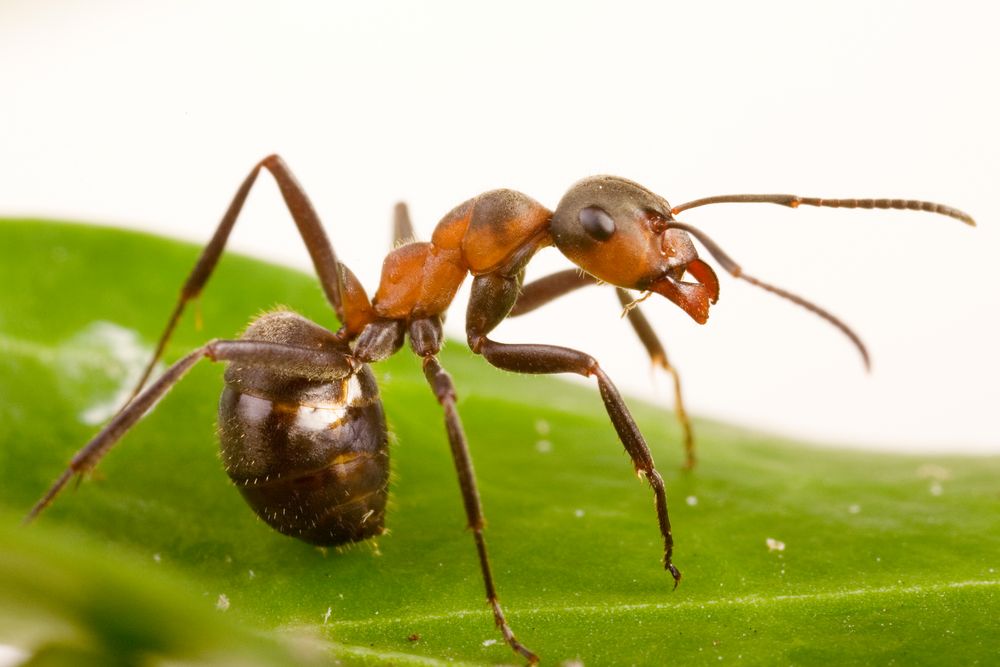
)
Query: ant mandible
[{"x": 301, "y": 426}]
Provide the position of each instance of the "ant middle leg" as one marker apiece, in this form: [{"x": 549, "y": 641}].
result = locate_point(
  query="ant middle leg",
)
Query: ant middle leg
[
  {"x": 319, "y": 364},
  {"x": 426, "y": 339},
  {"x": 539, "y": 292},
  {"x": 342, "y": 289},
  {"x": 492, "y": 297},
  {"x": 402, "y": 227}
]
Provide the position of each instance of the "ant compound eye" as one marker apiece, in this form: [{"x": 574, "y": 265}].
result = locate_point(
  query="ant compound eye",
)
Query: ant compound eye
[{"x": 597, "y": 223}]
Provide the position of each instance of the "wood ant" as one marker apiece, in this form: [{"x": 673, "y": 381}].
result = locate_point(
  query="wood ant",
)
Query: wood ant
[{"x": 302, "y": 430}]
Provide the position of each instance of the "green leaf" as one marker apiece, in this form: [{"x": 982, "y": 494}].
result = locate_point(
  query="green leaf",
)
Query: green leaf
[{"x": 886, "y": 558}]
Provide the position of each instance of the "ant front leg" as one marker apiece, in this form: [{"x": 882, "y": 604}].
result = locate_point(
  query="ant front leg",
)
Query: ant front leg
[
  {"x": 493, "y": 296},
  {"x": 426, "y": 339},
  {"x": 341, "y": 287},
  {"x": 539, "y": 292},
  {"x": 321, "y": 365}
]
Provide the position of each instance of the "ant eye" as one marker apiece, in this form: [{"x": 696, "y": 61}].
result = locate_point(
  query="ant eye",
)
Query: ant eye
[{"x": 597, "y": 223}]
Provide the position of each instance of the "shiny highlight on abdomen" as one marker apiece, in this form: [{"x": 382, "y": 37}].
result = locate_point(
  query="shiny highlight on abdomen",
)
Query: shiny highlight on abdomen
[{"x": 313, "y": 464}]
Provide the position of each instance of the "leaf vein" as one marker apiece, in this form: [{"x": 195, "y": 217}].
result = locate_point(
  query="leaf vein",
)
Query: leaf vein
[{"x": 745, "y": 600}]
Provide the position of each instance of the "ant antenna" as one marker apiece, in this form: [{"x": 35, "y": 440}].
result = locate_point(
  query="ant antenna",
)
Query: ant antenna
[
  {"x": 794, "y": 201},
  {"x": 734, "y": 269}
]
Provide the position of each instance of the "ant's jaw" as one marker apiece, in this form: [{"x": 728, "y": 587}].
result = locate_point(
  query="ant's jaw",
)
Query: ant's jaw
[
  {"x": 693, "y": 298},
  {"x": 705, "y": 275}
]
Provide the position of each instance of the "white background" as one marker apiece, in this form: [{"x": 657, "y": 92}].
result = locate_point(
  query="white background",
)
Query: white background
[{"x": 148, "y": 115}]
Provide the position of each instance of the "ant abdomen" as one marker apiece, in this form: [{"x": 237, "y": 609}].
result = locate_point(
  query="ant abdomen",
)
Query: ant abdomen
[{"x": 309, "y": 456}]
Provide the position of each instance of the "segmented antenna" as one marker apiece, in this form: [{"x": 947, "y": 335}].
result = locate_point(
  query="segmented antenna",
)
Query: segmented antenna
[
  {"x": 794, "y": 201},
  {"x": 734, "y": 269}
]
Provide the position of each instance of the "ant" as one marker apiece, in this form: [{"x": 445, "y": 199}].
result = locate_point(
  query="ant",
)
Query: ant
[{"x": 301, "y": 426}]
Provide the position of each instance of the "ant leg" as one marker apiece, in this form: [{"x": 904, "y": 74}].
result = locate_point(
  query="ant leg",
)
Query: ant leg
[
  {"x": 552, "y": 359},
  {"x": 426, "y": 337},
  {"x": 402, "y": 228},
  {"x": 548, "y": 288},
  {"x": 320, "y": 364},
  {"x": 658, "y": 355},
  {"x": 342, "y": 288},
  {"x": 539, "y": 292},
  {"x": 492, "y": 297}
]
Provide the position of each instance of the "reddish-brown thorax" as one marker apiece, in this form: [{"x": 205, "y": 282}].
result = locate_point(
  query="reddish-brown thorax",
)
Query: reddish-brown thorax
[{"x": 480, "y": 236}]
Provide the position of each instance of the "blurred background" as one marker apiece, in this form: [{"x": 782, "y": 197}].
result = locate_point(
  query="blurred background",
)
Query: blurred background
[{"x": 148, "y": 115}]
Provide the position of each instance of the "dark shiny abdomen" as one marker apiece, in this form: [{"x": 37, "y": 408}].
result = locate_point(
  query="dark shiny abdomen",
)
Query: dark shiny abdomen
[{"x": 311, "y": 458}]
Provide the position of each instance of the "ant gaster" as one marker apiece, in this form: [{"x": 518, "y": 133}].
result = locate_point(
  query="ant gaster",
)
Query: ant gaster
[{"x": 302, "y": 430}]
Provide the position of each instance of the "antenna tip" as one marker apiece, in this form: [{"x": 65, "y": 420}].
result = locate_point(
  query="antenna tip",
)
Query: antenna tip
[{"x": 865, "y": 357}]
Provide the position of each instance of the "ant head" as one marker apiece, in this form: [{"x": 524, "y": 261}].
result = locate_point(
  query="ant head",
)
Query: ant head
[{"x": 620, "y": 232}]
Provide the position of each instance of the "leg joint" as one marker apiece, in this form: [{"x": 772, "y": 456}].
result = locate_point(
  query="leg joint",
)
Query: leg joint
[
  {"x": 475, "y": 340},
  {"x": 440, "y": 381},
  {"x": 272, "y": 161}
]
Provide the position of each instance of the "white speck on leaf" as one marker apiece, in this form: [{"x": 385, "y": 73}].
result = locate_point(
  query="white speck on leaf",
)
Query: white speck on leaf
[
  {"x": 691, "y": 500},
  {"x": 489, "y": 642},
  {"x": 542, "y": 427},
  {"x": 854, "y": 509},
  {"x": 543, "y": 446},
  {"x": 936, "y": 488},
  {"x": 156, "y": 558},
  {"x": 222, "y": 604},
  {"x": 326, "y": 616},
  {"x": 774, "y": 545},
  {"x": 251, "y": 574},
  {"x": 579, "y": 513}
]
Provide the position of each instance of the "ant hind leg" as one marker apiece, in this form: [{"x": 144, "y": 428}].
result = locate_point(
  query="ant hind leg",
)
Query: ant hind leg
[
  {"x": 323, "y": 364},
  {"x": 341, "y": 287}
]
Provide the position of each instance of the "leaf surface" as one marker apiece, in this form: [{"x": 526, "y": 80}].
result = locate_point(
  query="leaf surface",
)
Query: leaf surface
[{"x": 886, "y": 559}]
